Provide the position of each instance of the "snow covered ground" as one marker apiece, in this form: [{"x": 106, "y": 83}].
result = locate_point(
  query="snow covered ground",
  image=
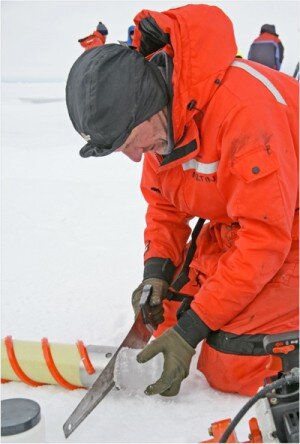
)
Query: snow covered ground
[
  {"x": 72, "y": 254},
  {"x": 72, "y": 243}
]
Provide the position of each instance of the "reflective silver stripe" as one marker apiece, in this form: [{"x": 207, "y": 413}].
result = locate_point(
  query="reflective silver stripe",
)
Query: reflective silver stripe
[
  {"x": 262, "y": 79},
  {"x": 204, "y": 168}
]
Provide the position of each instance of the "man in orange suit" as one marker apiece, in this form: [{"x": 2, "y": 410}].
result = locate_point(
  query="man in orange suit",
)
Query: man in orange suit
[
  {"x": 219, "y": 141},
  {"x": 97, "y": 38}
]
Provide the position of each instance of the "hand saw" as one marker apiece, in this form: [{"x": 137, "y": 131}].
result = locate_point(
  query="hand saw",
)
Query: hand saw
[{"x": 137, "y": 337}]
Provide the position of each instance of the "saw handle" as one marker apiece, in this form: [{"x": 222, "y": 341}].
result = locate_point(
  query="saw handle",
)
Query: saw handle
[{"x": 145, "y": 306}]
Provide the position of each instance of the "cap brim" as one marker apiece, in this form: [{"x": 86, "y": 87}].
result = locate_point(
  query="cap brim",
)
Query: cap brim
[{"x": 91, "y": 150}]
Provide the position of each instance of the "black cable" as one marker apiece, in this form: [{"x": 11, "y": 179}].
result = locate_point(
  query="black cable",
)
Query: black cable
[
  {"x": 291, "y": 378},
  {"x": 283, "y": 396}
]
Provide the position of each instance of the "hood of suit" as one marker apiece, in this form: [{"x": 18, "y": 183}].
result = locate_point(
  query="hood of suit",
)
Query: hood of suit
[{"x": 202, "y": 41}]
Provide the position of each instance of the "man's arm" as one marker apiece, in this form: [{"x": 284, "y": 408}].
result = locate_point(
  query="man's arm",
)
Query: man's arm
[
  {"x": 258, "y": 178},
  {"x": 167, "y": 229}
]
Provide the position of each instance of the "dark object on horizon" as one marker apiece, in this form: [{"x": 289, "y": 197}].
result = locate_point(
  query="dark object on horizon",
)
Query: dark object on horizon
[
  {"x": 296, "y": 72},
  {"x": 267, "y": 48}
]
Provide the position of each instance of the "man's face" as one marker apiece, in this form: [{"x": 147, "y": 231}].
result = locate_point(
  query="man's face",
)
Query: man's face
[{"x": 150, "y": 135}]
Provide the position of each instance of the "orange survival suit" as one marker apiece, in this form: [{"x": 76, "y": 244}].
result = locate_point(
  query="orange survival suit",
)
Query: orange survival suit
[
  {"x": 93, "y": 40},
  {"x": 235, "y": 132}
]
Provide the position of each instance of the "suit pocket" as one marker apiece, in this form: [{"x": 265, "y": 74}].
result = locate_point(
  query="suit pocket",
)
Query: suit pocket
[
  {"x": 257, "y": 190},
  {"x": 255, "y": 165}
]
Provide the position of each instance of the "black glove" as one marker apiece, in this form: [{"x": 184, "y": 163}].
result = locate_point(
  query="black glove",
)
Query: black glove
[
  {"x": 159, "y": 292},
  {"x": 158, "y": 272}
]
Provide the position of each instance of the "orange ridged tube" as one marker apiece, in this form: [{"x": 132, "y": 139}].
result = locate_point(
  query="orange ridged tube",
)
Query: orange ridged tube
[
  {"x": 49, "y": 364},
  {"x": 53, "y": 369},
  {"x": 15, "y": 365},
  {"x": 85, "y": 357}
]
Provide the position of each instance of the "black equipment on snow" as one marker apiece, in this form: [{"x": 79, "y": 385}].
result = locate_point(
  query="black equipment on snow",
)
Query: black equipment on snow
[{"x": 278, "y": 401}]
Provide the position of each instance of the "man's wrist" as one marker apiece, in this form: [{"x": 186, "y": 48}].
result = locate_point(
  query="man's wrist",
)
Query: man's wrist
[
  {"x": 161, "y": 268},
  {"x": 191, "y": 328}
]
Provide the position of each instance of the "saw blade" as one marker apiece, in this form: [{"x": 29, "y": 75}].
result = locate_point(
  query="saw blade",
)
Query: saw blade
[{"x": 138, "y": 336}]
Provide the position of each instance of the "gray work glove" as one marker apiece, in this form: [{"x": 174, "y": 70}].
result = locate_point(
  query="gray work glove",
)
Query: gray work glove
[
  {"x": 159, "y": 292},
  {"x": 177, "y": 359}
]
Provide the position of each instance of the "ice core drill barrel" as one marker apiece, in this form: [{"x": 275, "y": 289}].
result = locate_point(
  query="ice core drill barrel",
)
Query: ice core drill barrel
[{"x": 39, "y": 363}]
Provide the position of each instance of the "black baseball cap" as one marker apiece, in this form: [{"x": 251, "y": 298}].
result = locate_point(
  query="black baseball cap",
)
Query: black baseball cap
[{"x": 110, "y": 90}]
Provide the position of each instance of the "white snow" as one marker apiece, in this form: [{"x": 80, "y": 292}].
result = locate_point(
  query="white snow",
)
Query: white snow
[
  {"x": 72, "y": 254},
  {"x": 72, "y": 242}
]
